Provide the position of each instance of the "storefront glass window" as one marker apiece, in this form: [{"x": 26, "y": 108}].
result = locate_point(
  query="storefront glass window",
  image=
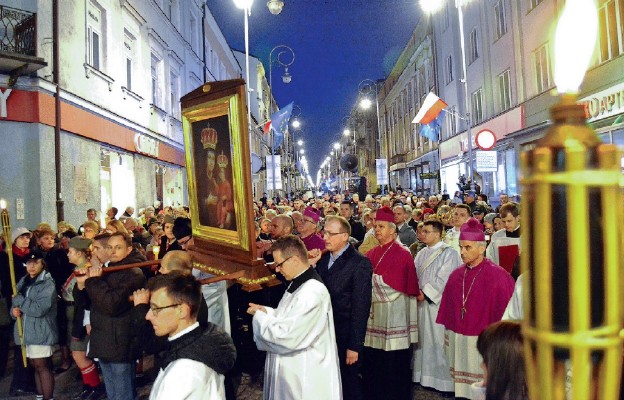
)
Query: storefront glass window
[
  {"x": 605, "y": 137},
  {"x": 510, "y": 168},
  {"x": 618, "y": 137}
]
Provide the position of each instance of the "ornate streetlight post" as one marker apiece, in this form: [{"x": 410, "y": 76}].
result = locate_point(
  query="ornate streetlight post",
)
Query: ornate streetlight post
[
  {"x": 365, "y": 88},
  {"x": 286, "y": 78}
]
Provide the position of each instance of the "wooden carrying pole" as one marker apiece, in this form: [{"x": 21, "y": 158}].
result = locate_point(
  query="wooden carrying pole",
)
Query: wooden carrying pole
[{"x": 6, "y": 228}]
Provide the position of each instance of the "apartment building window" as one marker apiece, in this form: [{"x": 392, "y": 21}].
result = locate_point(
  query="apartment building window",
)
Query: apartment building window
[
  {"x": 611, "y": 28},
  {"x": 477, "y": 106},
  {"x": 541, "y": 66},
  {"x": 474, "y": 48},
  {"x": 533, "y": 4},
  {"x": 504, "y": 89},
  {"x": 499, "y": 15},
  {"x": 449, "y": 69},
  {"x": 156, "y": 67},
  {"x": 174, "y": 84},
  {"x": 95, "y": 35},
  {"x": 445, "y": 17},
  {"x": 451, "y": 122},
  {"x": 129, "y": 44},
  {"x": 193, "y": 33}
]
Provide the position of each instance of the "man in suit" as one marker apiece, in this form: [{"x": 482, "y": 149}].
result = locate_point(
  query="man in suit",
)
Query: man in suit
[
  {"x": 407, "y": 236},
  {"x": 347, "y": 275}
]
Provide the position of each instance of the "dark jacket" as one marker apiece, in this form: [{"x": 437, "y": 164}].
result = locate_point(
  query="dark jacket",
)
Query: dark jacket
[
  {"x": 349, "y": 282},
  {"x": 210, "y": 346},
  {"x": 111, "y": 311},
  {"x": 357, "y": 229},
  {"x": 5, "y": 273},
  {"x": 38, "y": 306},
  {"x": 163, "y": 247}
]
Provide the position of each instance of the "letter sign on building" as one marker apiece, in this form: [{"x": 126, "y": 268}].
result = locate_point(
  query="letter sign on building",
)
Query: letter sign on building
[
  {"x": 146, "y": 145},
  {"x": 3, "y": 102}
]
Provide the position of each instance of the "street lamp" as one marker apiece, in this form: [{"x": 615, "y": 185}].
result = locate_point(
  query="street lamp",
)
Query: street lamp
[
  {"x": 275, "y": 6},
  {"x": 365, "y": 88},
  {"x": 286, "y": 78},
  {"x": 300, "y": 142},
  {"x": 432, "y": 6},
  {"x": 246, "y": 6}
]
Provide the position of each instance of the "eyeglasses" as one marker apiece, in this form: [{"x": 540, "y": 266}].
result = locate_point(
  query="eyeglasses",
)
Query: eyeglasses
[
  {"x": 279, "y": 265},
  {"x": 332, "y": 234},
  {"x": 424, "y": 232},
  {"x": 182, "y": 242},
  {"x": 157, "y": 310}
]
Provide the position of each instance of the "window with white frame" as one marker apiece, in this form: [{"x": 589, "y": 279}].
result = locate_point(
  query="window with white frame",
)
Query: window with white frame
[
  {"x": 96, "y": 35},
  {"x": 499, "y": 16},
  {"x": 474, "y": 47},
  {"x": 193, "y": 31},
  {"x": 611, "y": 28},
  {"x": 504, "y": 90},
  {"x": 174, "y": 93},
  {"x": 541, "y": 67},
  {"x": 156, "y": 70},
  {"x": 129, "y": 55},
  {"x": 533, "y": 4},
  {"x": 451, "y": 122},
  {"x": 449, "y": 69},
  {"x": 445, "y": 17},
  {"x": 477, "y": 106}
]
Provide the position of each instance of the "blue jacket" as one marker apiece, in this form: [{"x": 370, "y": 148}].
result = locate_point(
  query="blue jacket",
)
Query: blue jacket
[{"x": 38, "y": 311}]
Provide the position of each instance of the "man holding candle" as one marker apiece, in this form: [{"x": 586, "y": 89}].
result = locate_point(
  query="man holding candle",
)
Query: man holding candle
[{"x": 475, "y": 296}]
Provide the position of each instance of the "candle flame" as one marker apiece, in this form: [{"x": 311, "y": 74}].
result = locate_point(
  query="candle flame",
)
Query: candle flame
[
  {"x": 3, "y": 204},
  {"x": 575, "y": 41}
]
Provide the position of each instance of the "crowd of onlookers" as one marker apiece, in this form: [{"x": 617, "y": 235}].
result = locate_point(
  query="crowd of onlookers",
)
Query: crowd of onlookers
[{"x": 56, "y": 260}]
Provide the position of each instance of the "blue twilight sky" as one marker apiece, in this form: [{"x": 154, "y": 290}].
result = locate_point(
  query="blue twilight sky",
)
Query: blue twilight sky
[{"x": 337, "y": 44}]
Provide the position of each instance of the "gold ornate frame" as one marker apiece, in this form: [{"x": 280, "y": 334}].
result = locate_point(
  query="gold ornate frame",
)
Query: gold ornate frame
[{"x": 203, "y": 108}]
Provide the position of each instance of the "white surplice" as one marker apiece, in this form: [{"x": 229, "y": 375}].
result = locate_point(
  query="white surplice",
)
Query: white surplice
[
  {"x": 215, "y": 296},
  {"x": 299, "y": 338},
  {"x": 500, "y": 239},
  {"x": 430, "y": 366},
  {"x": 185, "y": 379}
]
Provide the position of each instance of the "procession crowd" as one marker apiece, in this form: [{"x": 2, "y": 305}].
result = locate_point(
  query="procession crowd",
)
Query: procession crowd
[{"x": 373, "y": 295}]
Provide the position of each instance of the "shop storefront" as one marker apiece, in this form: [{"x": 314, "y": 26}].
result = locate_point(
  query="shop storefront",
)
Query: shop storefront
[
  {"x": 104, "y": 162},
  {"x": 605, "y": 114},
  {"x": 454, "y": 155},
  {"x": 423, "y": 173}
]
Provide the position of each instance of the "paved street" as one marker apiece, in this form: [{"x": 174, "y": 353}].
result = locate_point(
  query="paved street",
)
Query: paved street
[{"x": 249, "y": 387}]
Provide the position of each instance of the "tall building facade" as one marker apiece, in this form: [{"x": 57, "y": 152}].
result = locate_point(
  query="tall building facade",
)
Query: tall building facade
[
  {"x": 509, "y": 59},
  {"x": 123, "y": 66}
]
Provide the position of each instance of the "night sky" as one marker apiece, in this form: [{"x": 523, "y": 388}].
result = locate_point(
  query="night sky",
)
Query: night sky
[{"x": 337, "y": 44}]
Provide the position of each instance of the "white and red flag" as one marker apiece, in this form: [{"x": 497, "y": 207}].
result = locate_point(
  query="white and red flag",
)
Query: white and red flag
[{"x": 431, "y": 108}]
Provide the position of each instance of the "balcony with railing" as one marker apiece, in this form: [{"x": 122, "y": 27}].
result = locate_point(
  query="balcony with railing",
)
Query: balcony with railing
[{"x": 18, "y": 42}]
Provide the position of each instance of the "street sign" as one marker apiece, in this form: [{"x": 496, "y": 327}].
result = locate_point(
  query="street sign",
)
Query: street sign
[
  {"x": 485, "y": 139},
  {"x": 487, "y": 161},
  {"x": 382, "y": 171},
  {"x": 429, "y": 175},
  {"x": 270, "y": 170}
]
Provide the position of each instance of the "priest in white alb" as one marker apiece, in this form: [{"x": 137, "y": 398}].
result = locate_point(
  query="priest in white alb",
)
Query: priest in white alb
[
  {"x": 298, "y": 335},
  {"x": 434, "y": 265}
]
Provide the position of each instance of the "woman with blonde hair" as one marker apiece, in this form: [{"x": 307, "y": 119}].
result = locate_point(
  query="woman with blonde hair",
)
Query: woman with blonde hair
[{"x": 115, "y": 226}]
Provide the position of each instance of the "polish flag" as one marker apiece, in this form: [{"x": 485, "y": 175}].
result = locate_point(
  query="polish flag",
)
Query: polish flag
[{"x": 431, "y": 108}]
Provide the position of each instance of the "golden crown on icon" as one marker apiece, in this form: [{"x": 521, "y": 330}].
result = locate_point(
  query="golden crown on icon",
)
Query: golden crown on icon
[
  {"x": 222, "y": 160},
  {"x": 209, "y": 138}
]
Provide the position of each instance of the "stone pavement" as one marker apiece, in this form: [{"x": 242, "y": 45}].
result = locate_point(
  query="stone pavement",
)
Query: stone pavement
[{"x": 249, "y": 387}]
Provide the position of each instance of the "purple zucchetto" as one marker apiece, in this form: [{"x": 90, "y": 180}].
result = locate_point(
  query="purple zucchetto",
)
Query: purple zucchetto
[
  {"x": 472, "y": 230},
  {"x": 313, "y": 213}
]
